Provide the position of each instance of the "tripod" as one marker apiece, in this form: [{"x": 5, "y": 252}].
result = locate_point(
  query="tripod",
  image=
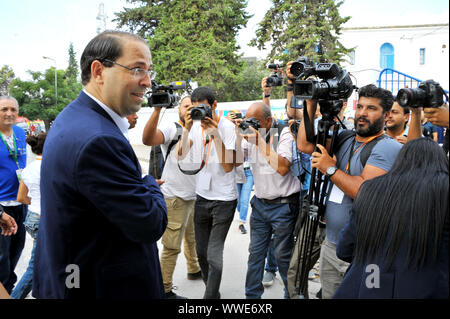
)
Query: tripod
[{"x": 313, "y": 206}]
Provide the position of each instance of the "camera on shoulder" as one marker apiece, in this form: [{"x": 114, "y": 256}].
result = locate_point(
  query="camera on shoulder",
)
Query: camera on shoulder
[{"x": 163, "y": 96}]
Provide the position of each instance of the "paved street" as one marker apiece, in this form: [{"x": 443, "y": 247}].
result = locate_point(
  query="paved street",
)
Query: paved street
[{"x": 235, "y": 261}]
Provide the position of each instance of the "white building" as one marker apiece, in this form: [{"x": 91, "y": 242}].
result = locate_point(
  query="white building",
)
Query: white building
[{"x": 420, "y": 51}]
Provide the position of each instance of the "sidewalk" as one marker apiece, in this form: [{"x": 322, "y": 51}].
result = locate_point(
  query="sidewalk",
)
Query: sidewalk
[{"x": 234, "y": 260}]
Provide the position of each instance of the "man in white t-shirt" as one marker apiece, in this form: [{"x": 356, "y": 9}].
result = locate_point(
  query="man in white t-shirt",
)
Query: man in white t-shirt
[
  {"x": 179, "y": 194},
  {"x": 211, "y": 142},
  {"x": 275, "y": 205}
]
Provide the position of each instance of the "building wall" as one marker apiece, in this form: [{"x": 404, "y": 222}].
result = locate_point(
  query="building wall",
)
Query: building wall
[{"x": 407, "y": 42}]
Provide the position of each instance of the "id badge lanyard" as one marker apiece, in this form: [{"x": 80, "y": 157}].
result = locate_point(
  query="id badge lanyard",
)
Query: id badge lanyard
[{"x": 13, "y": 153}]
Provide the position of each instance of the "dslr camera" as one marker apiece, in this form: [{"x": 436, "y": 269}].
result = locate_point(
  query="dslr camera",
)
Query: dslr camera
[
  {"x": 276, "y": 78},
  {"x": 163, "y": 96},
  {"x": 201, "y": 111},
  {"x": 428, "y": 94},
  {"x": 336, "y": 83},
  {"x": 244, "y": 127}
]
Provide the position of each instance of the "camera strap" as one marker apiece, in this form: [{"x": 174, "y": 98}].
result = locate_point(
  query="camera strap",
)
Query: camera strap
[
  {"x": 308, "y": 126},
  {"x": 206, "y": 145}
]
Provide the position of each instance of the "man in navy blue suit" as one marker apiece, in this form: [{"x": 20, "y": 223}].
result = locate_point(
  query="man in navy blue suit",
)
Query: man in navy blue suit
[{"x": 100, "y": 219}]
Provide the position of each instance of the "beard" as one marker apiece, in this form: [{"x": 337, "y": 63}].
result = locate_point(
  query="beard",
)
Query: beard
[{"x": 372, "y": 129}]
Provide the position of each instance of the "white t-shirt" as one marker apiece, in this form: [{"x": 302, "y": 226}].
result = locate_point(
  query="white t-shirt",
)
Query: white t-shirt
[
  {"x": 212, "y": 181},
  {"x": 268, "y": 183},
  {"x": 176, "y": 184},
  {"x": 31, "y": 176}
]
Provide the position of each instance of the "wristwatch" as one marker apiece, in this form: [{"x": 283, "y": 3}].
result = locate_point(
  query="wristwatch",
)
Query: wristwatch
[
  {"x": 331, "y": 170},
  {"x": 265, "y": 95}
]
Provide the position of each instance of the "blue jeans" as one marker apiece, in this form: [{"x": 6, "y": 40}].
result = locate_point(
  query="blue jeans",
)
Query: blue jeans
[
  {"x": 244, "y": 191},
  {"x": 11, "y": 247},
  {"x": 271, "y": 264},
  {"x": 24, "y": 286},
  {"x": 265, "y": 219}
]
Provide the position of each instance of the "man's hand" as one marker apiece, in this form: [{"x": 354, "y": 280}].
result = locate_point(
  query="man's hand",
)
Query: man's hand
[
  {"x": 8, "y": 225},
  {"x": 188, "y": 119},
  {"x": 437, "y": 116},
  {"x": 266, "y": 89},
  {"x": 288, "y": 72},
  {"x": 322, "y": 160},
  {"x": 401, "y": 139},
  {"x": 253, "y": 137},
  {"x": 160, "y": 182},
  {"x": 210, "y": 126}
]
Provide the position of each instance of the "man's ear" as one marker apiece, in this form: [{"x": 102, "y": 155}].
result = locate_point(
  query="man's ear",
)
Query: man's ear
[
  {"x": 214, "y": 106},
  {"x": 97, "y": 69}
]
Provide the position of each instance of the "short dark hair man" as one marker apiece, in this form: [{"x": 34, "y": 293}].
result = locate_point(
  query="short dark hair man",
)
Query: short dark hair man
[
  {"x": 179, "y": 194},
  {"x": 212, "y": 141},
  {"x": 13, "y": 159},
  {"x": 101, "y": 220},
  {"x": 276, "y": 201},
  {"x": 347, "y": 172},
  {"x": 397, "y": 122}
]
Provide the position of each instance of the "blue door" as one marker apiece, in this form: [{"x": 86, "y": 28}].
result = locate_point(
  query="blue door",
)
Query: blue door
[{"x": 387, "y": 56}]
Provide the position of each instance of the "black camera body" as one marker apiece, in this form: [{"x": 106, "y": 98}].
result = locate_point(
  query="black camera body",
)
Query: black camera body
[
  {"x": 163, "y": 96},
  {"x": 276, "y": 78},
  {"x": 336, "y": 84},
  {"x": 201, "y": 111},
  {"x": 302, "y": 67},
  {"x": 428, "y": 94},
  {"x": 244, "y": 127}
]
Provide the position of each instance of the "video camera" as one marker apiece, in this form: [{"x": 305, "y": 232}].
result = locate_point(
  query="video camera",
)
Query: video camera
[
  {"x": 336, "y": 83},
  {"x": 244, "y": 127},
  {"x": 428, "y": 94},
  {"x": 276, "y": 78},
  {"x": 200, "y": 112},
  {"x": 163, "y": 96}
]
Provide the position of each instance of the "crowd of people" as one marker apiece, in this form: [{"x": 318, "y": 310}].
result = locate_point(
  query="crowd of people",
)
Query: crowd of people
[{"x": 96, "y": 220}]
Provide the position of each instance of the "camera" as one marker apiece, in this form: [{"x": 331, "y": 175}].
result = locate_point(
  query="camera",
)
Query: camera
[
  {"x": 302, "y": 66},
  {"x": 244, "y": 127},
  {"x": 276, "y": 78},
  {"x": 237, "y": 115},
  {"x": 428, "y": 94},
  {"x": 336, "y": 83},
  {"x": 294, "y": 127},
  {"x": 200, "y": 112},
  {"x": 163, "y": 96}
]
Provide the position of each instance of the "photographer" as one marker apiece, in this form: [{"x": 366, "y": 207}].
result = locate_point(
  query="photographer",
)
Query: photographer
[
  {"x": 213, "y": 139},
  {"x": 179, "y": 194},
  {"x": 347, "y": 172},
  {"x": 274, "y": 208}
]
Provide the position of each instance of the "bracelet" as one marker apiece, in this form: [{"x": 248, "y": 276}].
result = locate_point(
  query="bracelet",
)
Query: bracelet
[
  {"x": 289, "y": 88},
  {"x": 266, "y": 95}
]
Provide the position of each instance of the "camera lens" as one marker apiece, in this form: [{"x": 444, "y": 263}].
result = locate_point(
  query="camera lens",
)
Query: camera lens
[
  {"x": 404, "y": 97},
  {"x": 297, "y": 68}
]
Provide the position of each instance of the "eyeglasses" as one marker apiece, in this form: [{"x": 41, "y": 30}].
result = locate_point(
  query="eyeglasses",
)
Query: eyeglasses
[{"x": 138, "y": 72}]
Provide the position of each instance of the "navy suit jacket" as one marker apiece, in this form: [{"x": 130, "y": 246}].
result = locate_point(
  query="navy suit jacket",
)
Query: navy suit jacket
[
  {"x": 431, "y": 281},
  {"x": 98, "y": 214}
]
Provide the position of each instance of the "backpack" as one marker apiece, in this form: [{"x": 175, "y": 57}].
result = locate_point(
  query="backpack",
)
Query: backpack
[
  {"x": 157, "y": 160},
  {"x": 367, "y": 149}
]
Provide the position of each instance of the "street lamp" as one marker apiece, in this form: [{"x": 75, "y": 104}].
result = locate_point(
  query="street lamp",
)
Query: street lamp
[{"x": 56, "y": 78}]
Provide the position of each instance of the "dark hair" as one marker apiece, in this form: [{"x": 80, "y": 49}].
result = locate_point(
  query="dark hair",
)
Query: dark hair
[
  {"x": 386, "y": 98},
  {"x": 37, "y": 142},
  {"x": 412, "y": 196},
  {"x": 203, "y": 93},
  {"x": 105, "y": 46}
]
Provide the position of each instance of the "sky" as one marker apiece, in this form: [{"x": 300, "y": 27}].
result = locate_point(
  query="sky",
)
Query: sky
[{"x": 31, "y": 29}]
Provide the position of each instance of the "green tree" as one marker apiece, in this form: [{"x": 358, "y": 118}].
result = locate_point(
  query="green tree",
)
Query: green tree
[
  {"x": 37, "y": 98},
  {"x": 72, "y": 69},
  {"x": 6, "y": 76},
  {"x": 192, "y": 40},
  {"x": 302, "y": 28}
]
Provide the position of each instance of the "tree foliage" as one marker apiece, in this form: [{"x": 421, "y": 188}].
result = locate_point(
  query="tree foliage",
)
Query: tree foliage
[
  {"x": 302, "y": 28},
  {"x": 6, "y": 76},
  {"x": 37, "y": 97},
  {"x": 192, "y": 40}
]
